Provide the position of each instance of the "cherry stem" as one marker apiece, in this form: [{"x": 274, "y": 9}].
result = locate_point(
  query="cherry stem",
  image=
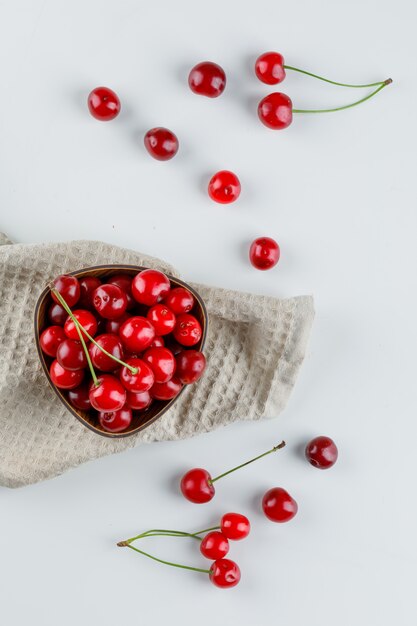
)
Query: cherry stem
[
  {"x": 133, "y": 370},
  {"x": 332, "y": 82},
  {"x": 274, "y": 449},
  {"x": 346, "y": 106}
]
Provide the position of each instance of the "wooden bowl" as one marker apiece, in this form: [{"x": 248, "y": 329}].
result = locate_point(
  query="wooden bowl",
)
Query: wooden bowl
[{"x": 140, "y": 419}]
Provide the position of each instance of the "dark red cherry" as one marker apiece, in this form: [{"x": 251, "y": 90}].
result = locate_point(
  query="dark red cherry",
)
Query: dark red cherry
[
  {"x": 150, "y": 286},
  {"x": 110, "y": 301},
  {"x": 138, "y": 401},
  {"x": 275, "y": 111},
  {"x": 88, "y": 285},
  {"x": 110, "y": 343},
  {"x": 190, "y": 366},
  {"x": 65, "y": 379},
  {"x": 166, "y": 391},
  {"x": 71, "y": 355},
  {"x": 103, "y": 104},
  {"x": 79, "y": 397},
  {"x": 162, "y": 363},
  {"x": 115, "y": 421},
  {"x": 136, "y": 334},
  {"x": 142, "y": 380},
  {"x": 224, "y": 573},
  {"x": 179, "y": 300},
  {"x": 269, "y": 68},
  {"x": 69, "y": 288},
  {"x": 87, "y": 321},
  {"x": 322, "y": 452},
  {"x": 207, "y": 79},
  {"x": 108, "y": 395},
  {"x": 161, "y": 143},
  {"x": 51, "y": 338}
]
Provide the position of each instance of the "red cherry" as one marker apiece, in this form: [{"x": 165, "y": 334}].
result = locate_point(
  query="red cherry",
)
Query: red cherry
[
  {"x": 142, "y": 380},
  {"x": 214, "y": 545},
  {"x": 79, "y": 398},
  {"x": 88, "y": 285},
  {"x": 224, "y": 187},
  {"x": 179, "y": 300},
  {"x": 51, "y": 338},
  {"x": 64, "y": 379},
  {"x": 269, "y": 68},
  {"x": 278, "y": 505},
  {"x": 275, "y": 111},
  {"x": 166, "y": 391},
  {"x": 161, "y": 143},
  {"x": 196, "y": 486},
  {"x": 264, "y": 253},
  {"x": 113, "y": 345},
  {"x": 190, "y": 366},
  {"x": 69, "y": 288},
  {"x": 109, "y": 395},
  {"x": 110, "y": 301},
  {"x": 138, "y": 401},
  {"x": 162, "y": 318},
  {"x": 113, "y": 326},
  {"x": 115, "y": 421},
  {"x": 162, "y": 363},
  {"x": 57, "y": 314},
  {"x": 322, "y": 452},
  {"x": 137, "y": 334},
  {"x": 103, "y": 104},
  {"x": 150, "y": 286},
  {"x": 224, "y": 573},
  {"x": 71, "y": 355},
  {"x": 87, "y": 321},
  {"x": 187, "y": 330},
  {"x": 158, "y": 342},
  {"x": 235, "y": 526},
  {"x": 207, "y": 79},
  {"x": 125, "y": 283}
]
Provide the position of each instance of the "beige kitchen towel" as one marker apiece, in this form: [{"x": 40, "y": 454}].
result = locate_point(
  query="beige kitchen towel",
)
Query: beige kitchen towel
[{"x": 254, "y": 349}]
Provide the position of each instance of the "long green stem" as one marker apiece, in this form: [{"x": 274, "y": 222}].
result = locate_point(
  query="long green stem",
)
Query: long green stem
[
  {"x": 158, "y": 532},
  {"x": 87, "y": 356},
  {"x": 332, "y": 82},
  {"x": 206, "y": 530},
  {"x": 346, "y": 106},
  {"x": 274, "y": 449},
  {"x": 154, "y": 558}
]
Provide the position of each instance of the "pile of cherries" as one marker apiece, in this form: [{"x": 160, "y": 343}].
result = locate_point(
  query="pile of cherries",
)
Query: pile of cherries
[{"x": 136, "y": 336}]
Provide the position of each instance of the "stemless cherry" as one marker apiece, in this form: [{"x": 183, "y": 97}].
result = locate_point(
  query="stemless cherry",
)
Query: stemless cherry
[
  {"x": 235, "y": 526},
  {"x": 179, "y": 300},
  {"x": 214, "y": 545},
  {"x": 162, "y": 319},
  {"x": 79, "y": 398},
  {"x": 187, "y": 330},
  {"x": 142, "y": 380},
  {"x": 103, "y": 104},
  {"x": 125, "y": 283},
  {"x": 115, "y": 421},
  {"x": 110, "y": 301},
  {"x": 224, "y": 573},
  {"x": 269, "y": 68},
  {"x": 321, "y": 452},
  {"x": 275, "y": 111},
  {"x": 196, "y": 485},
  {"x": 224, "y": 187},
  {"x": 207, "y": 79},
  {"x": 264, "y": 253},
  {"x": 150, "y": 286},
  {"x": 166, "y": 391},
  {"x": 278, "y": 505},
  {"x": 57, "y": 314},
  {"x": 113, "y": 345},
  {"x": 88, "y": 285},
  {"x": 161, "y": 143},
  {"x": 51, "y": 338},
  {"x": 138, "y": 401},
  {"x": 87, "y": 321},
  {"x": 69, "y": 288},
  {"x": 137, "y": 334},
  {"x": 71, "y": 355},
  {"x": 108, "y": 395},
  {"x": 190, "y": 366},
  {"x": 162, "y": 363},
  {"x": 113, "y": 326},
  {"x": 64, "y": 379},
  {"x": 158, "y": 342}
]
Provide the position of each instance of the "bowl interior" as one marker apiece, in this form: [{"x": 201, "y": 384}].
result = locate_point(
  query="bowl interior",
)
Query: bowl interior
[{"x": 141, "y": 419}]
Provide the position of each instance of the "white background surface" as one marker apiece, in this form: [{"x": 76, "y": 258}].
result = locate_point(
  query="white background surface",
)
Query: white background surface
[{"x": 336, "y": 191}]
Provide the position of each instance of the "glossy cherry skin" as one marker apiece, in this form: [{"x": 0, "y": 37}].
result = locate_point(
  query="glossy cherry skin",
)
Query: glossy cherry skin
[
  {"x": 71, "y": 355},
  {"x": 190, "y": 366},
  {"x": 113, "y": 326},
  {"x": 51, "y": 338},
  {"x": 110, "y": 395},
  {"x": 158, "y": 342},
  {"x": 322, "y": 452},
  {"x": 138, "y": 401},
  {"x": 113, "y": 345},
  {"x": 187, "y": 330},
  {"x": 57, "y": 314},
  {"x": 103, "y": 104},
  {"x": 162, "y": 319},
  {"x": 179, "y": 300},
  {"x": 269, "y": 68},
  {"x": 136, "y": 334},
  {"x": 125, "y": 283},
  {"x": 64, "y": 379},
  {"x": 110, "y": 301},
  {"x": 150, "y": 286},
  {"x": 196, "y": 486},
  {"x": 278, "y": 505},
  {"x": 207, "y": 79},
  {"x": 214, "y": 545},
  {"x": 224, "y": 187},
  {"x": 275, "y": 111},
  {"x": 87, "y": 321},
  {"x": 142, "y": 380},
  {"x": 79, "y": 398},
  {"x": 115, "y": 421},
  {"x": 88, "y": 285},
  {"x": 235, "y": 526},
  {"x": 69, "y": 288},
  {"x": 162, "y": 363},
  {"x": 224, "y": 573},
  {"x": 166, "y": 391},
  {"x": 264, "y": 253},
  {"x": 161, "y": 143}
]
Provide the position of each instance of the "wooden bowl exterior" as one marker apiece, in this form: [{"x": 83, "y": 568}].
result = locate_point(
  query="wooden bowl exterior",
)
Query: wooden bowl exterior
[{"x": 140, "y": 419}]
